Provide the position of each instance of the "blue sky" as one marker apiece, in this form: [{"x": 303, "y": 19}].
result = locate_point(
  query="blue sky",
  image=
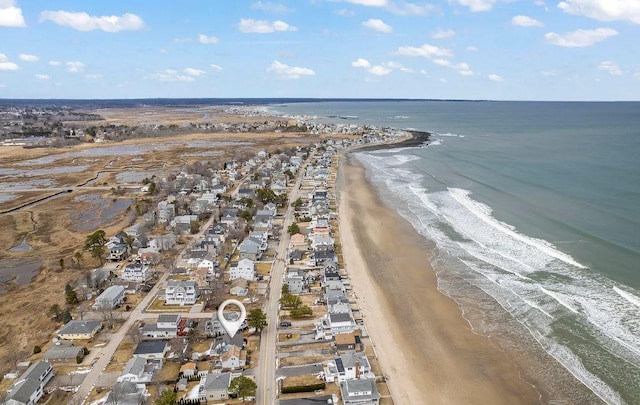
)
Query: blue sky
[{"x": 455, "y": 49}]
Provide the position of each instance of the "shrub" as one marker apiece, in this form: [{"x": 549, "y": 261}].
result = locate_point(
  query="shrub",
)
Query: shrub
[
  {"x": 303, "y": 388},
  {"x": 36, "y": 349}
]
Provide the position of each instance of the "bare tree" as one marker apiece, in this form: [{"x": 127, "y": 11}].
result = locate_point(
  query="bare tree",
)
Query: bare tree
[
  {"x": 109, "y": 315},
  {"x": 135, "y": 333}
]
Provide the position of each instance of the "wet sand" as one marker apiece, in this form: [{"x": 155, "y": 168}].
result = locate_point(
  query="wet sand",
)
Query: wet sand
[{"x": 424, "y": 344}]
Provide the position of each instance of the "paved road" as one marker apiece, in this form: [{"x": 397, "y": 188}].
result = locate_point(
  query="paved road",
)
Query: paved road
[
  {"x": 299, "y": 370},
  {"x": 106, "y": 353},
  {"x": 265, "y": 372}
]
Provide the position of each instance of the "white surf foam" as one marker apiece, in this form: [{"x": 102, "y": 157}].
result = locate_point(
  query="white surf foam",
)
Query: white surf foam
[{"x": 627, "y": 296}]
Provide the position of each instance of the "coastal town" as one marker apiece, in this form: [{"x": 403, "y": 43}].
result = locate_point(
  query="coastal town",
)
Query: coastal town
[{"x": 262, "y": 228}]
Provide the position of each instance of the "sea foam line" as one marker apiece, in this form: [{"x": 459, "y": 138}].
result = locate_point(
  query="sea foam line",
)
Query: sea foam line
[
  {"x": 483, "y": 212},
  {"x": 628, "y": 296}
]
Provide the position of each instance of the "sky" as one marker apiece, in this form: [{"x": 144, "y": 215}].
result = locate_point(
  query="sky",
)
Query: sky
[{"x": 455, "y": 49}]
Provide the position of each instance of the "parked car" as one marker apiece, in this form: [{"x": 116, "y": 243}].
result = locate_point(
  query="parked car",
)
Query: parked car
[{"x": 285, "y": 324}]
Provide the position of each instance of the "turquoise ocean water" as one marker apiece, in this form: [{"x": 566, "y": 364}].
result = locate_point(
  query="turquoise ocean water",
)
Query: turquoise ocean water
[{"x": 535, "y": 203}]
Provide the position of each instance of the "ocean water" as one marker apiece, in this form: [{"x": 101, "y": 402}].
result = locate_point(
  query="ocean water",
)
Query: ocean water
[{"x": 537, "y": 204}]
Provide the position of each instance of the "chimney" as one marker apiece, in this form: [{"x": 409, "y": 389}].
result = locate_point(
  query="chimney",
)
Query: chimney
[{"x": 357, "y": 370}]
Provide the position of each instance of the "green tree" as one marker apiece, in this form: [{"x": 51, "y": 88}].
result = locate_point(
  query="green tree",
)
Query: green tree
[
  {"x": 246, "y": 215},
  {"x": 257, "y": 319},
  {"x": 243, "y": 387},
  {"x": 36, "y": 349},
  {"x": 77, "y": 258},
  {"x": 168, "y": 397},
  {"x": 97, "y": 252},
  {"x": 152, "y": 188},
  {"x": 194, "y": 227},
  {"x": 285, "y": 289},
  {"x": 297, "y": 203},
  {"x": 71, "y": 297},
  {"x": 66, "y": 316},
  {"x": 55, "y": 311},
  {"x": 61, "y": 263},
  {"x": 99, "y": 237},
  {"x": 293, "y": 229},
  {"x": 290, "y": 301},
  {"x": 289, "y": 174},
  {"x": 301, "y": 312}
]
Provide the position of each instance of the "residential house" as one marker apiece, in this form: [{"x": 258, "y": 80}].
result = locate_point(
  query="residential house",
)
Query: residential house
[
  {"x": 166, "y": 212},
  {"x": 360, "y": 392},
  {"x": 166, "y": 327},
  {"x": 29, "y": 387},
  {"x": 152, "y": 349},
  {"x": 164, "y": 242},
  {"x": 110, "y": 298},
  {"x": 214, "y": 387},
  {"x": 295, "y": 281},
  {"x": 118, "y": 252},
  {"x": 135, "y": 272},
  {"x": 79, "y": 329},
  {"x": 229, "y": 217},
  {"x": 348, "y": 341},
  {"x": 297, "y": 240},
  {"x": 279, "y": 187},
  {"x": 188, "y": 369},
  {"x": 149, "y": 256},
  {"x": 338, "y": 304},
  {"x": 127, "y": 393},
  {"x": 205, "y": 203},
  {"x": 250, "y": 249},
  {"x": 195, "y": 257},
  {"x": 182, "y": 223},
  {"x": 239, "y": 287},
  {"x": 244, "y": 269},
  {"x": 181, "y": 292},
  {"x": 332, "y": 324},
  {"x": 233, "y": 358},
  {"x": 64, "y": 352},
  {"x": 137, "y": 371},
  {"x": 348, "y": 366}
]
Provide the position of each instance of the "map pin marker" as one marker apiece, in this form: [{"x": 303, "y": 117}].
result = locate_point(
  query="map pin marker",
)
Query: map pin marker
[{"x": 231, "y": 326}]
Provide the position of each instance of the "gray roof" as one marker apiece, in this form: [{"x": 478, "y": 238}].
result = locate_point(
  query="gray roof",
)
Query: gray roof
[
  {"x": 111, "y": 293},
  {"x": 28, "y": 382},
  {"x": 74, "y": 327},
  {"x": 349, "y": 360},
  {"x": 349, "y": 387},
  {"x": 150, "y": 347},
  {"x": 62, "y": 352},
  {"x": 217, "y": 382},
  {"x": 124, "y": 393},
  {"x": 134, "y": 366},
  {"x": 168, "y": 318},
  {"x": 343, "y": 317},
  {"x": 249, "y": 246}
]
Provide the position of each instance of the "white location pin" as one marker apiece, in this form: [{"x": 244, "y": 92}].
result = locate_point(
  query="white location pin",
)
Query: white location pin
[{"x": 231, "y": 326}]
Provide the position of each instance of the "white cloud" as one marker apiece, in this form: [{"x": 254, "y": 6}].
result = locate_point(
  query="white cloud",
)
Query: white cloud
[
  {"x": 495, "y": 78},
  {"x": 2, "y": 85},
  {"x": 379, "y": 70},
  {"x": 378, "y": 25},
  {"x": 604, "y": 10},
  {"x": 476, "y": 5},
  {"x": 3, "y": 57},
  {"x": 203, "y": 39},
  {"x": 85, "y": 22},
  {"x": 404, "y": 8},
  {"x": 369, "y": 3},
  {"x": 580, "y": 38},
  {"x": 8, "y": 66},
  {"x": 539, "y": 3},
  {"x": 10, "y": 15},
  {"x": 361, "y": 63},
  {"x": 462, "y": 68},
  {"x": 248, "y": 25},
  {"x": 426, "y": 51},
  {"x": 289, "y": 72},
  {"x": 472, "y": 48},
  {"x": 93, "y": 76},
  {"x": 75, "y": 67},
  {"x": 270, "y": 7},
  {"x": 170, "y": 75},
  {"x": 216, "y": 67},
  {"x": 440, "y": 34},
  {"x": 194, "y": 72},
  {"x": 28, "y": 58},
  {"x": 525, "y": 21},
  {"x": 610, "y": 67},
  {"x": 424, "y": 72},
  {"x": 181, "y": 40},
  {"x": 345, "y": 12},
  {"x": 55, "y": 63},
  {"x": 43, "y": 77}
]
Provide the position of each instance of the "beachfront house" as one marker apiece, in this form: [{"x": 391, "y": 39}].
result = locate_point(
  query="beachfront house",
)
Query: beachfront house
[
  {"x": 360, "y": 392},
  {"x": 332, "y": 324},
  {"x": 348, "y": 366},
  {"x": 29, "y": 387}
]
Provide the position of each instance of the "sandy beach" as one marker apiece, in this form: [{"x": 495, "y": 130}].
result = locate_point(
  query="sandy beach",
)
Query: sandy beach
[{"x": 424, "y": 345}]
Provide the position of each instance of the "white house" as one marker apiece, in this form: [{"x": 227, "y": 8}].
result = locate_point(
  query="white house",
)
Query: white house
[
  {"x": 360, "y": 392},
  {"x": 110, "y": 298},
  {"x": 332, "y": 324},
  {"x": 181, "y": 292},
  {"x": 136, "y": 371},
  {"x": 349, "y": 366},
  {"x": 136, "y": 272},
  {"x": 214, "y": 387},
  {"x": 244, "y": 269},
  {"x": 165, "y": 327},
  {"x": 29, "y": 388},
  {"x": 234, "y": 358}
]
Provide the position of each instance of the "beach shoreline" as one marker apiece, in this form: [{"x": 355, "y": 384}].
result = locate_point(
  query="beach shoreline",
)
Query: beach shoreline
[{"x": 429, "y": 355}]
